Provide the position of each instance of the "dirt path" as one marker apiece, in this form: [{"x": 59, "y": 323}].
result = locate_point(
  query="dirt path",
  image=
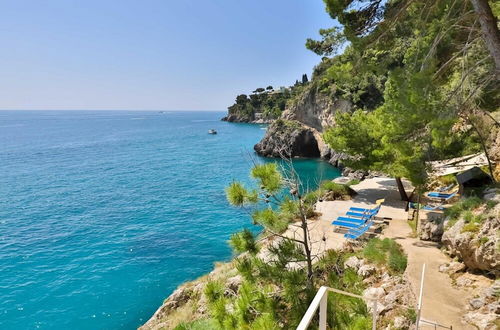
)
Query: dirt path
[{"x": 442, "y": 303}]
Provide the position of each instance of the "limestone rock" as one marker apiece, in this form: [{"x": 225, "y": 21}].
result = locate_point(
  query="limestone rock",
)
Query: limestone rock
[
  {"x": 401, "y": 322},
  {"x": 431, "y": 231},
  {"x": 443, "y": 268},
  {"x": 455, "y": 267},
  {"x": 492, "y": 194},
  {"x": 464, "y": 281},
  {"x": 494, "y": 308},
  {"x": 478, "y": 250},
  {"x": 233, "y": 283},
  {"x": 493, "y": 290},
  {"x": 482, "y": 321},
  {"x": 373, "y": 293},
  {"x": 366, "y": 270},
  {"x": 288, "y": 139},
  {"x": 353, "y": 262},
  {"x": 316, "y": 109},
  {"x": 476, "y": 303},
  {"x": 354, "y": 174}
]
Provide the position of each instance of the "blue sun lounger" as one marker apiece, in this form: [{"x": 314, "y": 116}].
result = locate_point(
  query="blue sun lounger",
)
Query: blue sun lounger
[
  {"x": 356, "y": 233},
  {"x": 426, "y": 207},
  {"x": 363, "y": 214},
  {"x": 345, "y": 224},
  {"x": 353, "y": 220},
  {"x": 443, "y": 196},
  {"x": 378, "y": 203},
  {"x": 446, "y": 188}
]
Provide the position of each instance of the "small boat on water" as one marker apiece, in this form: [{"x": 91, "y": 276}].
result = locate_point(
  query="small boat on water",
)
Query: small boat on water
[{"x": 212, "y": 131}]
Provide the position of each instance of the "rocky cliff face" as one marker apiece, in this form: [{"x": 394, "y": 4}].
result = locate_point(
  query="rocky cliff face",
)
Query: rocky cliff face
[
  {"x": 254, "y": 118},
  {"x": 286, "y": 139},
  {"x": 315, "y": 109},
  {"x": 477, "y": 249},
  {"x": 298, "y": 132}
]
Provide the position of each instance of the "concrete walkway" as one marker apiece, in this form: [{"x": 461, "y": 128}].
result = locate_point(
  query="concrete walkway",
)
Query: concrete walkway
[{"x": 442, "y": 303}]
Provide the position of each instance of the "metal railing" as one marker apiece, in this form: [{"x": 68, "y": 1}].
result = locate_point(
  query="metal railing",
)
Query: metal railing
[
  {"x": 321, "y": 300},
  {"x": 435, "y": 325},
  {"x": 420, "y": 321}
]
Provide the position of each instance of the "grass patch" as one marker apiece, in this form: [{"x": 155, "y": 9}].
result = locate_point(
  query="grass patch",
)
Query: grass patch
[
  {"x": 353, "y": 182},
  {"x": 470, "y": 228},
  {"x": 467, "y": 204},
  {"x": 411, "y": 314},
  {"x": 334, "y": 187},
  {"x": 491, "y": 204},
  {"x": 386, "y": 252},
  {"x": 448, "y": 179},
  {"x": 472, "y": 222},
  {"x": 483, "y": 240}
]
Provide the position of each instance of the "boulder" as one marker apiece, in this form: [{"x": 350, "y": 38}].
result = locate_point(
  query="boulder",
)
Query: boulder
[
  {"x": 494, "y": 308},
  {"x": 464, "y": 281},
  {"x": 476, "y": 303},
  {"x": 477, "y": 250},
  {"x": 443, "y": 268},
  {"x": 481, "y": 320},
  {"x": 373, "y": 293},
  {"x": 366, "y": 270},
  {"x": 401, "y": 322},
  {"x": 431, "y": 227},
  {"x": 354, "y": 174},
  {"x": 353, "y": 262},
  {"x": 493, "y": 290},
  {"x": 455, "y": 267}
]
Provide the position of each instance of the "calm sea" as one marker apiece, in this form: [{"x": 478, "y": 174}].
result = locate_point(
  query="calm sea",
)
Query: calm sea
[{"x": 103, "y": 214}]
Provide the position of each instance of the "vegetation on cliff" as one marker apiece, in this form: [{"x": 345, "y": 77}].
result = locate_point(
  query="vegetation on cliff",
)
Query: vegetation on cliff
[
  {"x": 421, "y": 78},
  {"x": 264, "y": 104}
]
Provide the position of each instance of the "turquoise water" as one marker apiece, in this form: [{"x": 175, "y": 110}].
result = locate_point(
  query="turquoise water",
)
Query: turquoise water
[{"x": 103, "y": 214}]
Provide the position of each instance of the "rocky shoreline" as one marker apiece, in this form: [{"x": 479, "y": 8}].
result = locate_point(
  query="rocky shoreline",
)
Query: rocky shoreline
[{"x": 189, "y": 303}]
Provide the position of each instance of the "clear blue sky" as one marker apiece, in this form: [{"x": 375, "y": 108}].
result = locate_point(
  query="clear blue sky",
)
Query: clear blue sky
[{"x": 151, "y": 54}]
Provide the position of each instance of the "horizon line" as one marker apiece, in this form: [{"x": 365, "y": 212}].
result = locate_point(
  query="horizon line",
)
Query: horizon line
[{"x": 145, "y": 110}]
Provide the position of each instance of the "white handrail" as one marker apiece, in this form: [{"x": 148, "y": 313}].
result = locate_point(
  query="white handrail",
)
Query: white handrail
[
  {"x": 320, "y": 300},
  {"x": 419, "y": 304},
  {"x": 308, "y": 316}
]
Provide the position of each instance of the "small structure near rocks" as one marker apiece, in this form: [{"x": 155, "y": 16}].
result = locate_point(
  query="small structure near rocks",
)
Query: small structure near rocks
[{"x": 474, "y": 177}]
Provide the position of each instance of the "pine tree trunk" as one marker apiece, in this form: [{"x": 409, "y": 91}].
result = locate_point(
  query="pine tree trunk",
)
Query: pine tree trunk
[
  {"x": 489, "y": 28},
  {"x": 307, "y": 248},
  {"x": 401, "y": 188}
]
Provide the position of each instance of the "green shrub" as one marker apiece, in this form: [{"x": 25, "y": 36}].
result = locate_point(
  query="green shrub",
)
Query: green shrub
[
  {"x": 491, "y": 204},
  {"x": 471, "y": 203},
  {"x": 397, "y": 261},
  {"x": 411, "y": 314},
  {"x": 214, "y": 290},
  {"x": 353, "y": 182},
  {"x": 448, "y": 179},
  {"x": 373, "y": 252},
  {"x": 338, "y": 190},
  {"x": 467, "y": 204},
  {"x": 483, "y": 240}
]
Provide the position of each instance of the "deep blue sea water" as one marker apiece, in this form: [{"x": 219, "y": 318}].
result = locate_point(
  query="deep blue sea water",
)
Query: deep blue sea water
[{"x": 103, "y": 214}]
